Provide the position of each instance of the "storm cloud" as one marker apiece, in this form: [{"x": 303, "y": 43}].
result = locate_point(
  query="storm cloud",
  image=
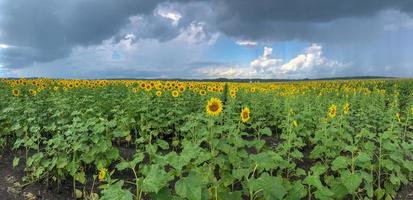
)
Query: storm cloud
[{"x": 46, "y": 32}]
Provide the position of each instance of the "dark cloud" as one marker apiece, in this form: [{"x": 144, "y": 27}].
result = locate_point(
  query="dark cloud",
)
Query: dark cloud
[
  {"x": 45, "y": 30},
  {"x": 294, "y": 19}
]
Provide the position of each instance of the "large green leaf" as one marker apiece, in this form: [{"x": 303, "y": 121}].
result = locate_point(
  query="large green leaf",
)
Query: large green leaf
[{"x": 190, "y": 187}]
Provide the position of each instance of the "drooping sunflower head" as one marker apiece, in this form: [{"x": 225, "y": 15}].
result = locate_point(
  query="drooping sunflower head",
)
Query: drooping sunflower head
[
  {"x": 214, "y": 107},
  {"x": 245, "y": 114},
  {"x": 332, "y": 111},
  {"x": 158, "y": 93},
  {"x": 175, "y": 93},
  {"x": 15, "y": 92},
  {"x": 346, "y": 108},
  {"x": 32, "y": 92}
]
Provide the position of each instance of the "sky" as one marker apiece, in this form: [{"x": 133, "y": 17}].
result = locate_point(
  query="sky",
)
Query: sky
[{"x": 280, "y": 39}]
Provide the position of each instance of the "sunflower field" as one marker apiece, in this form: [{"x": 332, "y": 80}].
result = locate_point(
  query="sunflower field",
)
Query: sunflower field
[{"x": 161, "y": 140}]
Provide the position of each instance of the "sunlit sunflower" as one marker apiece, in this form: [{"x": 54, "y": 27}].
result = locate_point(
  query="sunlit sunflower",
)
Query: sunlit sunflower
[
  {"x": 233, "y": 93},
  {"x": 214, "y": 107},
  {"x": 346, "y": 108},
  {"x": 181, "y": 89},
  {"x": 15, "y": 92},
  {"x": 202, "y": 92},
  {"x": 175, "y": 93},
  {"x": 143, "y": 85},
  {"x": 252, "y": 90},
  {"x": 148, "y": 87},
  {"x": 332, "y": 111},
  {"x": 55, "y": 88},
  {"x": 32, "y": 92},
  {"x": 102, "y": 174},
  {"x": 245, "y": 114},
  {"x": 158, "y": 93}
]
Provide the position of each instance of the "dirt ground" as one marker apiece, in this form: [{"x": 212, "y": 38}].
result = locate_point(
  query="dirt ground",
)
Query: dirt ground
[{"x": 12, "y": 187}]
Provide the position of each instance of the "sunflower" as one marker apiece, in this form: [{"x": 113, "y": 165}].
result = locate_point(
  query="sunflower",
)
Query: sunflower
[
  {"x": 175, "y": 93},
  {"x": 252, "y": 90},
  {"x": 135, "y": 90},
  {"x": 55, "y": 88},
  {"x": 245, "y": 114},
  {"x": 15, "y": 92},
  {"x": 214, "y": 107},
  {"x": 202, "y": 92},
  {"x": 32, "y": 92},
  {"x": 102, "y": 174},
  {"x": 148, "y": 87},
  {"x": 332, "y": 111},
  {"x": 158, "y": 93},
  {"x": 233, "y": 93},
  {"x": 346, "y": 108},
  {"x": 181, "y": 89},
  {"x": 143, "y": 85}
]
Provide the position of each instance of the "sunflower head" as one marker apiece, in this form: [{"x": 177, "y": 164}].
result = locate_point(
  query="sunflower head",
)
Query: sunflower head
[
  {"x": 332, "y": 111},
  {"x": 245, "y": 114},
  {"x": 233, "y": 93},
  {"x": 55, "y": 88},
  {"x": 214, "y": 107},
  {"x": 181, "y": 89},
  {"x": 158, "y": 93},
  {"x": 32, "y": 92},
  {"x": 102, "y": 174},
  {"x": 15, "y": 92},
  {"x": 202, "y": 92},
  {"x": 175, "y": 93}
]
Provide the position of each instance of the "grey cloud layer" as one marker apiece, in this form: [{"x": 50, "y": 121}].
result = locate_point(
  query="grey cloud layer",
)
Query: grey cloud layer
[{"x": 46, "y": 30}]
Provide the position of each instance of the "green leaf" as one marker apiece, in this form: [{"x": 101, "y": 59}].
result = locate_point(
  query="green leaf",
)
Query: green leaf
[
  {"x": 272, "y": 186},
  {"x": 80, "y": 177},
  {"x": 115, "y": 191},
  {"x": 351, "y": 181},
  {"x": 120, "y": 133},
  {"x": 313, "y": 181},
  {"x": 190, "y": 187},
  {"x": 156, "y": 179},
  {"x": 16, "y": 161},
  {"x": 266, "y": 131},
  {"x": 163, "y": 144},
  {"x": 339, "y": 163}
]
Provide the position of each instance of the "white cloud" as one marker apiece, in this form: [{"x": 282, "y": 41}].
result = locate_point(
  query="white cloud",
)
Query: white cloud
[
  {"x": 195, "y": 33},
  {"x": 247, "y": 43},
  {"x": 262, "y": 63},
  {"x": 4, "y": 46},
  {"x": 167, "y": 13},
  {"x": 311, "y": 63}
]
